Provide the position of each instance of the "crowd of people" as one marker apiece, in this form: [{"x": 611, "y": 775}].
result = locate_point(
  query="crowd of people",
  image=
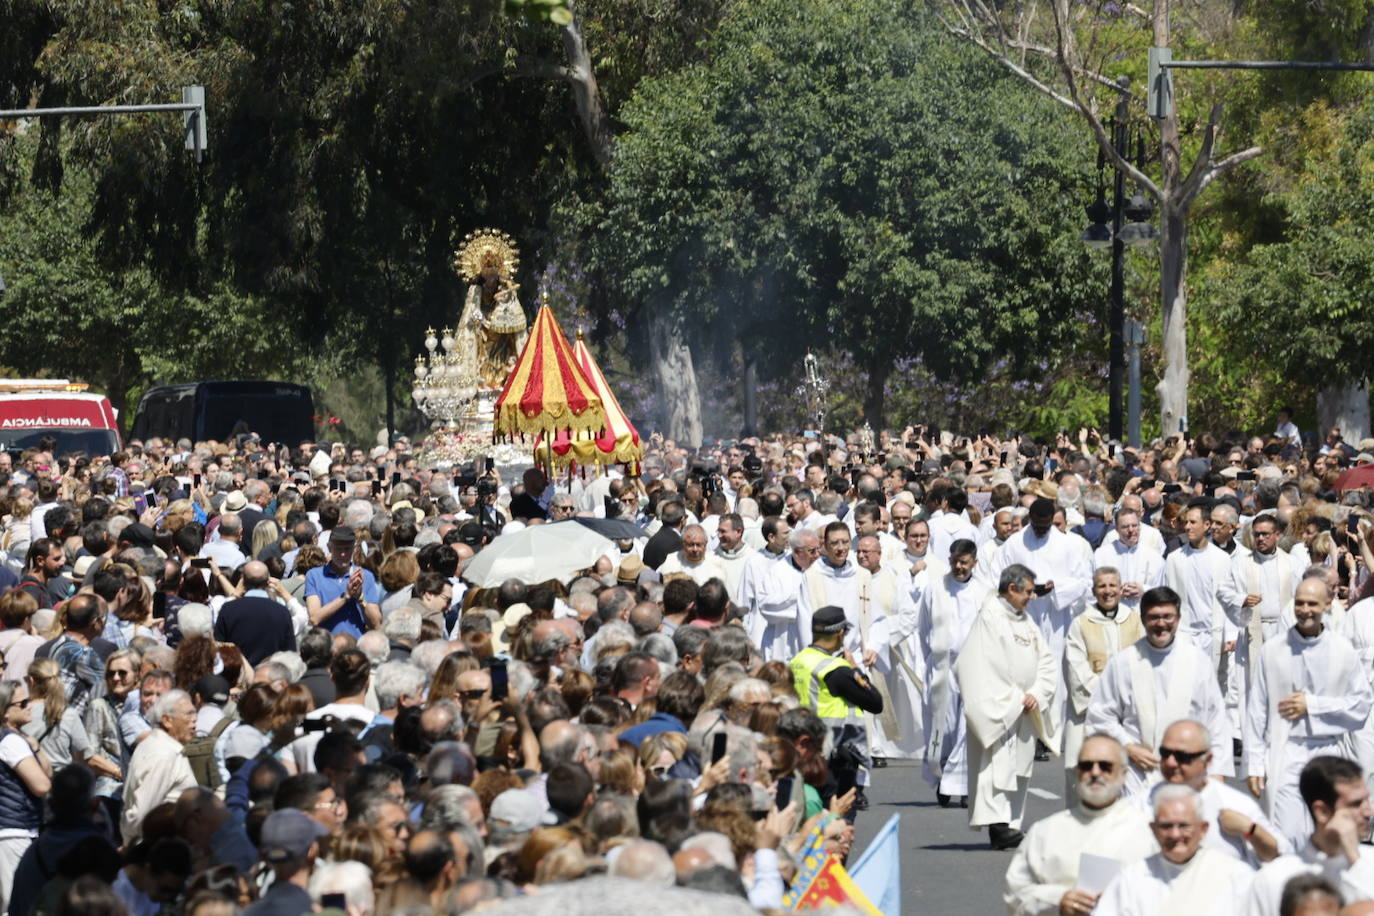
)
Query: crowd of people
[{"x": 247, "y": 676}]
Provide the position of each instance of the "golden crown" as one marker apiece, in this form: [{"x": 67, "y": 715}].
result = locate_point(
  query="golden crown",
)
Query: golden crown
[{"x": 482, "y": 246}]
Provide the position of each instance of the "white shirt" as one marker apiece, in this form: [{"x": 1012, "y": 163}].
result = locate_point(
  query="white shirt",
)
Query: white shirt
[
  {"x": 158, "y": 772},
  {"x": 1355, "y": 882},
  {"x": 1144, "y": 889}
]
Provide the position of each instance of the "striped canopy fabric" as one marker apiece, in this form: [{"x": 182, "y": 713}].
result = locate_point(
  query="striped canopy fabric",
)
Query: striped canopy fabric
[
  {"x": 618, "y": 442},
  {"x": 547, "y": 391}
]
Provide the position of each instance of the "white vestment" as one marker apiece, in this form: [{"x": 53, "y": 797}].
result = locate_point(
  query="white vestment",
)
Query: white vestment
[
  {"x": 1004, "y": 658},
  {"x": 1136, "y": 564},
  {"x": 988, "y": 559},
  {"x": 1357, "y": 625},
  {"x": 772, "y": 590},
  {"x": 1209, "y": 884},
  {"x": 945, "y": 529},
  {"x": 1045, "y": 866},
  {"x": 900, "y": 729},
  {"x": 1327, "y": 671},
  {"x": 1355, "y": 882},
  {"x": 1092, "y": 641},
  {"x": 1053, "y": 558},
  {"x": 709, "y": 568},
  {"x": 1217, "y": 796},
  {"x": 1197, "y": 574},
  {"x": 944, "y": 617},
  {"x": 733, "y": 565},
  {"x": 1274, "y": 577},
  {"x": 845, "y": 587},
  {"x": 1144, "y": 690}
]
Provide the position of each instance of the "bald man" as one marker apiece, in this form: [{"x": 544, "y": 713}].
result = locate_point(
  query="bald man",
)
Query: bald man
[
  {"x": 256, "y": 623},
  {"x": 1308, "y": 693}
]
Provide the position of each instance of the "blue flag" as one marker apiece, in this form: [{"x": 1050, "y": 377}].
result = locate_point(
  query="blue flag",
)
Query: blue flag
[{"x": 878, "y": 872}]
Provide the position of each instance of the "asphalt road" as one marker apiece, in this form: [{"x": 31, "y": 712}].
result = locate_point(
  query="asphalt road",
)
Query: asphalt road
[{"x": 947, "y": 869}]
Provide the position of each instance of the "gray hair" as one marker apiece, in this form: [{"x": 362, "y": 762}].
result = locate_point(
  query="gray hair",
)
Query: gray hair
[
  {"x": 660, "y": 646},
  {"x": 194, "y": 620},
  {"x": 230, "y": 524},
  {"x": 1095, "y": 502},
  {"x": 430, "y": 654},
  {"x": 402, "y": 624},
  {"x": 828, "y": 502},
  {"x": 797, "y": 539},
  {"x": 522, "y": 679},
  {"x": 644, "y": 860},
  {"x": 1227, "y": 515},
  {"x": 1105, "y": 570},
  {"x": 744, "y": 689},
  {"x": 165, "y": 705},
  {"x": 1175, "y": 792},
  {"x": 351, "y": 878},
  {"x": 357, "y": 514},
  {"x": 396, "y": 678},
  {"x": 446, "y": 808},
  {"x": 426, "y": 536},
  {"x": 716, "y": 845},
  {"x": 291, "y": 662},
  {"x": 375, "y": 645},
  {"x": 614, "y": 635},
  {"x": 1015, "y": 574}
]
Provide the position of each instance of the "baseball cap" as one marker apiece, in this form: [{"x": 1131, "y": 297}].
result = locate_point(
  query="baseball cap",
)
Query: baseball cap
[
  {"x": 212, "y": 688},
  {"x": 518, "y": 809},
  {"x": 287, "y": 835},
  {"x": 829, "y": 619}
]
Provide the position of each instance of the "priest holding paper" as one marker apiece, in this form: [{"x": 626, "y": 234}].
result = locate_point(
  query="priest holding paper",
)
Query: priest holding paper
[
  {"x": 1068, "y": 858},
  {"x": 1155, "y": 682},
  {"x": 1185, "y": 878},
  {"x": 1006, "y": 675},
  {"x": 1309, "y": 692}
]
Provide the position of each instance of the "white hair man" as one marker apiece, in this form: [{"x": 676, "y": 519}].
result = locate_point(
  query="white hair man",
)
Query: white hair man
[
  {"x": 1185, "y": 876},
  {"x": 1309, "y": 692},
  {"x": 1104, "y": 628},
  {"x": 1154, "y": 682},
  {"x": 158, "y": 770},
  {"x": 352, "y": 879},
  {"x": 693, "y": 559},
  {"x": 1238, "y": 826},
  {"x": 1043, "y": 875}
]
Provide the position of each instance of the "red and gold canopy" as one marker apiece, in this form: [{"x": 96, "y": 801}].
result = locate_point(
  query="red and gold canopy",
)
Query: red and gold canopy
[
  {"x": 618, "y": 442},
  {"x": 547, "y": 391}
]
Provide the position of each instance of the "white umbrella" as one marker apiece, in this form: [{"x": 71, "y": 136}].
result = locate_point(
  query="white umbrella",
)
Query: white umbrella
[{"x": 536, "y": 554}]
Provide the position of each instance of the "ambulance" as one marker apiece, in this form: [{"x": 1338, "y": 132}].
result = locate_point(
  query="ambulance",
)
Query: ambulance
[{"x": 34, "y": 409}]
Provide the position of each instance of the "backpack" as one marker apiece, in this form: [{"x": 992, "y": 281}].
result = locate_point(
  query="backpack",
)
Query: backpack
[{"x": 201, "y": 754}]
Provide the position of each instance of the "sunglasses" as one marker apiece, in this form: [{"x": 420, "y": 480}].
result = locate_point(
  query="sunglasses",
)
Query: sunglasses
[
  {"x": 472, "y": 694},
  {"x": 1183, "y": 757},
  {"x": 22, "y": 704},
  {"x": 1106, "y": 766}
]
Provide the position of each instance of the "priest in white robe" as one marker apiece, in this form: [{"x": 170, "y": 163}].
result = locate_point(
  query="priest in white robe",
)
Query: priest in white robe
[
  {"x": 1141, "y": 568},
  {"x": 1185, "y": 877},
  {"x": 1357, "y": 625},
  {"x": 1310, "y": 691},
  {"x": 1063, "y": 579},
  {"x": 692, "y": 559},
  {"x": 899, "y": 731},
  {"x": 1042, "y": 879},
  {"x": 773, "y": 591},
  {"x": 1153, "y": 683},
  {"x": 839, "y": 581},
  {"x": 1006, "y": 676},
  {"x": 1237, "y": 824},
  {"x": 1197, "y": 571},
  {"x": 950, "y": 522},
  {"x": 917, "y": 565},
  {"x": 1258, "y": 598},
  {"x": 870, "y": 521},
  {"x": 1005, "y": 523},
  {"x": 945, "y": 615},
  {"x": 731, "y": 552},
  {"x": 1150, "y": 538},
  {"x": 1103, "y": 629},
  {"x": 1338, "y": 804}
]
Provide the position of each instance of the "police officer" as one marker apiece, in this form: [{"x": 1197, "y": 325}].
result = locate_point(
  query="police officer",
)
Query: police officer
[{"x": 832, "y": 686}]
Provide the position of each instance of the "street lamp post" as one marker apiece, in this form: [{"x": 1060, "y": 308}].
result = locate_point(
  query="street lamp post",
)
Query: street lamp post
[{"x": 1123, "y": 222}]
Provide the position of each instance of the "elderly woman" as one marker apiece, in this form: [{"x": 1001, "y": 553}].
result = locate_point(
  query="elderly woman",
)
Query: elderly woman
[
  {"x": 25, "y": 778},
  {"x": 122, "y": 671}
]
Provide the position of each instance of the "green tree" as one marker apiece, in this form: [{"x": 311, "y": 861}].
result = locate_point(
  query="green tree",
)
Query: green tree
[{"x": 887, "y": 193}]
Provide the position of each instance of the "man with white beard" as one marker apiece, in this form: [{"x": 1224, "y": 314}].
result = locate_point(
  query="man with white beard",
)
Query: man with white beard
[
  {"x": 1103, "y": 629},
  {"x": 731, "y": 552},
  {"x": 1153, "y": 683},
  {"x": 773, "y": 591},
  {"x": 1185, "y": 876},
  {"x": 1006, "y": 677},
  {"x": 1197, "y": 571},
  {"x": 1309, "y": 692},
  {"x": 950, "y": 522},
  {"x": 1063, "y": 578},
  {"x": 898, "y": 732},
  {"x": 1042, "y": 878},
  {"x": 944, "y": 617},
  {"x": 1238, "y": 826},
  {"x": 1140, "y": 568},
  {"x": 1258, "y": 598}
]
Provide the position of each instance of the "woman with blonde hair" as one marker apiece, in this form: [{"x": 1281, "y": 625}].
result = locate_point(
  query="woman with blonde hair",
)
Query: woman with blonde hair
[
  {"x": 445, "y": 682},
  {"x": 17, "y": 534},
  {"x": 265, "y": 534},
  {"x": 59, "y": 730}
]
